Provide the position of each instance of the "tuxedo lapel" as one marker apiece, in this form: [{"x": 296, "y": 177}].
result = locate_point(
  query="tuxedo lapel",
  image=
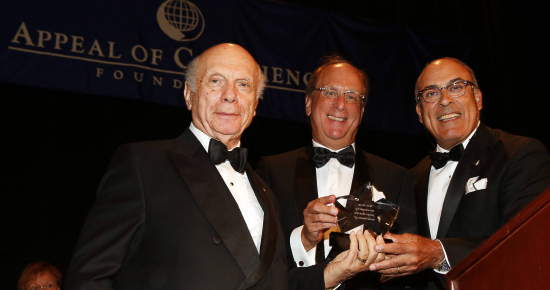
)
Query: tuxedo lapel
[
  {"x": 473, "y": 159},
  {"x": 305, "y": 182},
  {"x": 305, "y": 190},
  {"x": 421, "y": 188},
  {"x": 361, "y": 173},
  {"x": 269, "y": 231},
  {"x": 259, "y": 190},
  {"x": 215, "y": 200}
]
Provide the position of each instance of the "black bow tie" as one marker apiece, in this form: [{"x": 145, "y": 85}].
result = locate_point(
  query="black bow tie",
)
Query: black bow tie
[
  {"x": 321, "y": 156},
  {"x": 219, "y": 153},
  {"x": 440, "y": 159}
]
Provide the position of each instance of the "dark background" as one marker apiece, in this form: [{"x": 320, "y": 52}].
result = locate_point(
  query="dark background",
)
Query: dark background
[{"x": 56, "y": 145}]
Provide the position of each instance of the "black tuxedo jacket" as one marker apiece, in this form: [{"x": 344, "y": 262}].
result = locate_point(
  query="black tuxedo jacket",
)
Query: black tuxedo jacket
[
  {"x": 164, "y": 219},
  {"x": 517, "y": 170},
  {"x": 292, "y": 176}
]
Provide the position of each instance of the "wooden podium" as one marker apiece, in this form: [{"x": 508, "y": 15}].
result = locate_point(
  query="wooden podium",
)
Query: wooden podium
[{"x": 517, "y": 256}]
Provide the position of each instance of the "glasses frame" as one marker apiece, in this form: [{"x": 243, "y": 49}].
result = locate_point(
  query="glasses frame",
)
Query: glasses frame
[
  {"x": 421, "y": 93},
  {"x": 327, "y": 88}
]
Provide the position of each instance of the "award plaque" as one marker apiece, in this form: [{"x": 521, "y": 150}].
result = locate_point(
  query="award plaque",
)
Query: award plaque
[{"x": 365, "y": 209}]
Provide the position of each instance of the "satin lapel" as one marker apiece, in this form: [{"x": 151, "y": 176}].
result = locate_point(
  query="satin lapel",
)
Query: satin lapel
[
  {"x": 421, "y": 189},
  {"x": 361, "y": 173},
  {"x": 305, "y": 182},
  {"x": 269, "y": 231},
  {"x": 215, "y": 200},
  {"x": 305, "y": 190},
  {"x": 468, "y": 167}
]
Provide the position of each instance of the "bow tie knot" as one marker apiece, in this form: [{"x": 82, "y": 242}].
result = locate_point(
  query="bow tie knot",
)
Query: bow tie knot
[
  {"x": 440, "y": 159},
  {"x": 219, "y": 154},
  {"x": 322, "y": 155}
]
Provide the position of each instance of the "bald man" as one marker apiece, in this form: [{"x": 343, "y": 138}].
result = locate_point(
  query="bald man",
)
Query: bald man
[
  {"x": 477, "y": 179},
  {"x": 188, "y": 213}
]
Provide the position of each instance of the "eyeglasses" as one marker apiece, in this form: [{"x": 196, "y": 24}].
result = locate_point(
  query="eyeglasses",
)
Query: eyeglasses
[
  {"x": 49, "y": 286},
  {"x": 455, "y": 90},
  {"x": 332, "y": 93}
]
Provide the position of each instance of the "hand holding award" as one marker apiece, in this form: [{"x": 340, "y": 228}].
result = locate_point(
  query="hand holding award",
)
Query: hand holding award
[{"x": 365, "y": 209}]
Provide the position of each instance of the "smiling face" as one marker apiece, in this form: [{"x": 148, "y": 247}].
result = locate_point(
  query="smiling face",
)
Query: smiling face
[
  {"x": 450, "y": 120},
  {"x": 224, "y": 102},
  {"x": 335, "y": 122}
]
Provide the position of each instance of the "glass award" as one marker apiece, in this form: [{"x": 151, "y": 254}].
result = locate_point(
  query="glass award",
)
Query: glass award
[{"x": 365, "y": 209}]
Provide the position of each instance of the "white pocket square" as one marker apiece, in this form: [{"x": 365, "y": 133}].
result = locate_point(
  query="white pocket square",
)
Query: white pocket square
[{"x": 474, "y": 184}]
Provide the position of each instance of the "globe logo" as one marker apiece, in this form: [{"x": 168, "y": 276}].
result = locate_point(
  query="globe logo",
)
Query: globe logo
[{"x": 181, "y": 20}]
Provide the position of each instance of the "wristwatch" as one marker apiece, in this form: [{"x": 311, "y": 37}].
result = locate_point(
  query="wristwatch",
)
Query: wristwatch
[{"x": 444, "y": 266}]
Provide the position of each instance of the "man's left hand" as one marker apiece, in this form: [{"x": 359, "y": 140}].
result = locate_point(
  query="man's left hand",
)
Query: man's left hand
[
  {"x": 408, "y": 254},
  {"x": 347, "y": 264}
]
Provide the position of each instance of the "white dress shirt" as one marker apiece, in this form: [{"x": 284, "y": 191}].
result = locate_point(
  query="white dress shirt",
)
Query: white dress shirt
[
  {"x": 241, "y": 190},
  {"x": 332, "y": 178},
  {"x": 437, "y": 189}
]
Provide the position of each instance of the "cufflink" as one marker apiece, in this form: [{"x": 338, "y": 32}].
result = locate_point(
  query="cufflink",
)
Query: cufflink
[{"x": 444, "y": 266}]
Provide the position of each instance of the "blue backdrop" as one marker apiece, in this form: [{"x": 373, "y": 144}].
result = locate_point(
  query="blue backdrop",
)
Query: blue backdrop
[{"x": 139, "y": 50}]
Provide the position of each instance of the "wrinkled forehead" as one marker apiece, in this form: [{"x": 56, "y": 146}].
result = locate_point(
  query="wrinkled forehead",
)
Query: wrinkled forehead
[
  {"x": 341, "y": 76},
  {"x": 230, "y": 70},
  {"x": 441, "y": 72},
  {"x": 229, "y": 62}
]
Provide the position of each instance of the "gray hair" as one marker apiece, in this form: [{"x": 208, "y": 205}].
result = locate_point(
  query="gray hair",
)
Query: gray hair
[
  {"x": 193, "y": 68},
  {"x": 472, "y": 75}
]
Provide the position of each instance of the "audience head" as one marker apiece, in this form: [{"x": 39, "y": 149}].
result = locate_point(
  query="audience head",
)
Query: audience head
[{"x": 40, "y": 276}]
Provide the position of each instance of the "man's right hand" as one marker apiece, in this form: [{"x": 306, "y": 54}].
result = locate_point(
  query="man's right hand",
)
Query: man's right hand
[
  {"x": 408, "y": 254},
  {"x": 318, "y": 217}
]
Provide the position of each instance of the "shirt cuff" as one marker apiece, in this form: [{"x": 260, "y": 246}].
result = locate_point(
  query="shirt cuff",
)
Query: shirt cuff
[
  {"x": 446, "y": 258},
  {"x": 302, "y": 258}
]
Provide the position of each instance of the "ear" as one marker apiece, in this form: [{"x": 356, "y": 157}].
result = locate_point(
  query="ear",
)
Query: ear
[
  {"x": 256, "y": 106},
  {"x": 478, "y": 96},
  {"x": 308, "y": 105},
  {"x": 188, "y": 95},
  {"x": 419, "y": 113}
]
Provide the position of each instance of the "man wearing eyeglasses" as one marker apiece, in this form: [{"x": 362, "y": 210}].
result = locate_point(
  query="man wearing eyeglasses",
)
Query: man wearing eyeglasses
[
  {"x": 477, "y": 179},
  {"x": 307, "y": 181}
]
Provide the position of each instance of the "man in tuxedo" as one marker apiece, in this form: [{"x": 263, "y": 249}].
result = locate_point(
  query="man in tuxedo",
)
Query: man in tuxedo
[
  {"x": 476, "y": 181},
  {"x": 307, "y": 181},
  {"x": 187, "y": 213}
]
